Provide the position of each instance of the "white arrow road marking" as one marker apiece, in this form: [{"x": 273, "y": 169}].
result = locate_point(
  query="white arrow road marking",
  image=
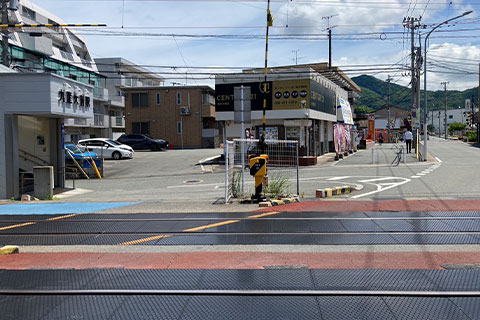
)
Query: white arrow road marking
[{"x": 382, "y": 186}]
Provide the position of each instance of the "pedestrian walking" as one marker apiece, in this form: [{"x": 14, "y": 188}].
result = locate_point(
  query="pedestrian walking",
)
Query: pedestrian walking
[
  {"x": 408, "y": 140},
  {"x": 380, "y": 138}
]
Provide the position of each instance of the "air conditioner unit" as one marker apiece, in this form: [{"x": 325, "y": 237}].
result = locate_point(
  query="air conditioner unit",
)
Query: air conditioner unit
[{"x": 185, "y": 111}]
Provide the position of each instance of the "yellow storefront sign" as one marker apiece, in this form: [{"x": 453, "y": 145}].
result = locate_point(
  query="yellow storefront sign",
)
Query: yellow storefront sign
[{"x": 291, "y": 94}]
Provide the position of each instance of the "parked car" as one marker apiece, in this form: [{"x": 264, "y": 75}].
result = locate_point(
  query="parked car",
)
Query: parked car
[
  {"x": 78, "y": 152},
  {"x": 141, "y": 141},
  {"x": 107, "y": 148}
]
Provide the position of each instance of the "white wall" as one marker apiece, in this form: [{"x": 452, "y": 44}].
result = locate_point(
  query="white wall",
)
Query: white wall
[
  {"x": 37, "y": 93},
  {"x": 29, "y": 128}
]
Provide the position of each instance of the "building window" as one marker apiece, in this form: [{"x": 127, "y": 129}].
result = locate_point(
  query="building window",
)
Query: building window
[
  {"x": 206, "y": 99},
  {"x": 159, "y": 99},
  {"x": 29, "y": 13},
  {"x": 141, "y": 127},
  {"x": 179, "y": 127},
  {"x": 179, "y": 98},
  {"x": 139, "y": 100},
  {"x": 450, "y": 116}
]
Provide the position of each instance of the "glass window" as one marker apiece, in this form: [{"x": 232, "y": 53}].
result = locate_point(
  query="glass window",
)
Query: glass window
[
  {"x": 179, "y": 127},
  {"x": 29, "y": 13},
  {"x": 139, "y": 100},
  {"x": 141, "y": 128},
  {"x": 159, "y": 99},
  {"x": 450, "y": 117},
  {"x": 179, "y": 98}
]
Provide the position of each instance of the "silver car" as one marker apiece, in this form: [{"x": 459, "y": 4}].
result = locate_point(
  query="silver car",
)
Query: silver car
[{"x": 107, "y": 148}]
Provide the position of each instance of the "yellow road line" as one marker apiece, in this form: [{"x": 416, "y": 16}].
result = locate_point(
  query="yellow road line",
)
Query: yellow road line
[
  {"x": 30, "y": 223},
  {"x": 129, "y": 243},
  {"x": 213, "y": 225},
  {"x": 263, "y": 215},
  {"x": 63, "y": 217},
  {"x": 17, "y": 226},
  {"x": 208, "y": 226}
]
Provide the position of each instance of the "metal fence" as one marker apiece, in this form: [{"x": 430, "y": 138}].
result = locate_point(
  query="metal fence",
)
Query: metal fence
[
  {"x": 282, "y": 166},
  {"x": 229, "y": 170}
]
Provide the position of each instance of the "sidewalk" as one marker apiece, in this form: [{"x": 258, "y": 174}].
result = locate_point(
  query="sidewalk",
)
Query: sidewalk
[{"x": 381, "y": 154}]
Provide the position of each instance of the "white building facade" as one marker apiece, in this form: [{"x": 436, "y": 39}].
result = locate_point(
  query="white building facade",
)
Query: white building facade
[
  {"x": 437, "y": 118},
  {"x": 301, "y": 105}
]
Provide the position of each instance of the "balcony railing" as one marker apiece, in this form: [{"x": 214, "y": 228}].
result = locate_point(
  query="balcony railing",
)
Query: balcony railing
[
  {"x": 100, "y": 93},
  {"x": 80, "y": 121},
  {"x": 99, "y": 120}
]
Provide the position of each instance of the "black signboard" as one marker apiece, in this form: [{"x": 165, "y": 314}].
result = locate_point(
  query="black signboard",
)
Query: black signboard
[
  {"x": 224, "y": 96},
  {"x": 322, "y": 99}
]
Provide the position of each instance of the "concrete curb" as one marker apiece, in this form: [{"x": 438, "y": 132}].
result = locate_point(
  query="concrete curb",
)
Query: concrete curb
[
  {"x": 273, "y": 203},
  {"x": 330, "y": 192}
]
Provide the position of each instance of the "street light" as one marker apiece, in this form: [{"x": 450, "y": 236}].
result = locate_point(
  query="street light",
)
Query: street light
[{"x": 424, "y": 122}]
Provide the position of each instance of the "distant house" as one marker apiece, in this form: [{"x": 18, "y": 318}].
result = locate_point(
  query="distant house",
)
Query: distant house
[{"x": 397, "y": 117}]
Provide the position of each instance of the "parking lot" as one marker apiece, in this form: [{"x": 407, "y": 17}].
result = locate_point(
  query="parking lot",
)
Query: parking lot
[{"x": 152, "y": 176}]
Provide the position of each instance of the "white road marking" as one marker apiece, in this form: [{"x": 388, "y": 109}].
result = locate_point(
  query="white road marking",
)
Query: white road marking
[
  {"x": 415, "y": 177},
  {"x": 382, "y": 186},
  {"x": 337, "y": 178},
  {"x": 195, "y": 185},
  {"x": 438, "y": 159}
]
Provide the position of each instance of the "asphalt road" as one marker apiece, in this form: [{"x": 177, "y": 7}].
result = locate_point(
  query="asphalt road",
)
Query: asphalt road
[{"x": 450, "y": 173}]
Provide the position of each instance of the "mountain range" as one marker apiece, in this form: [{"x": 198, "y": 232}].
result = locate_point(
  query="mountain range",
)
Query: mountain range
[{"x": 375, "y": 91}]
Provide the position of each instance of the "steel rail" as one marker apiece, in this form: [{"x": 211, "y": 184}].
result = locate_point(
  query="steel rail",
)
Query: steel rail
[
  {"x": 246, "y": 219},
  {"x": 209, "y": 233},
  {"x": 233, "y": 292}
]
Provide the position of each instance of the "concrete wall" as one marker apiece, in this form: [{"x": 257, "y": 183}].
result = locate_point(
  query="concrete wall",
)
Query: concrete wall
[
  {"x": 34, "y": 96},
  {"x": 37, "y": 93}
]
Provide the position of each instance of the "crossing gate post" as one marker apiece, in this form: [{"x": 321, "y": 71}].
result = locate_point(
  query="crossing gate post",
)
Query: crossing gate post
[{"x": 258, "y": 169}]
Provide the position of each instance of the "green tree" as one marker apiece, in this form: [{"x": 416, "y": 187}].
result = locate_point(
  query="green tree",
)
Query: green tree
[
  {"x": 456, "y": 126},
  {"x": 363, "y": 109}
]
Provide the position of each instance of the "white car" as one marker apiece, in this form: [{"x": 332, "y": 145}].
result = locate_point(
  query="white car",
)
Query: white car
[{"x": 108, "y": 148}]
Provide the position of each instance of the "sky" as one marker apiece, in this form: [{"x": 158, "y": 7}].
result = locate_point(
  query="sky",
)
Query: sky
[{"x": 188, "y": 42}]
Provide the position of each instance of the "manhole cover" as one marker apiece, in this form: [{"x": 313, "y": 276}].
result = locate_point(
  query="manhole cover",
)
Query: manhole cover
[{"x": 193, "y": 181}]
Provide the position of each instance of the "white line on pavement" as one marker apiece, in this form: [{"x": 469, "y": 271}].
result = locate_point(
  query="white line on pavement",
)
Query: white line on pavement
[
  {"x": 338, "y": 178},
  {"x": 438, "y": 159}
]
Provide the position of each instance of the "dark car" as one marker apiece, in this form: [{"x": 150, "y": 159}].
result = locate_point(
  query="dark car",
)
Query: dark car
[{"x": 141, "y": 141}]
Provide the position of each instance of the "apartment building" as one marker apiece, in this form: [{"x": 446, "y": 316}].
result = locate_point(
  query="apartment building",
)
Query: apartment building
[
  {"x": 182, "y": 115},
  {"x": 120, "y": 73}
]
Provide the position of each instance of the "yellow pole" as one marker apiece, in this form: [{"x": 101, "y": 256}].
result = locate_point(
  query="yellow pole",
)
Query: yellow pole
[{"x": 264, "y": 120}]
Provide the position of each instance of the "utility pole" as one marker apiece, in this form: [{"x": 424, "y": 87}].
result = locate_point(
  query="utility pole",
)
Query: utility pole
[
  {"x": 439, "y": 127},
  {"x": 413, "y": 24},
  {"x": 388, "y": 108},
  {"x": 329, "y": 39},
  {"x": 5, "y": 54},
  {"x": 444, "y": 83}
]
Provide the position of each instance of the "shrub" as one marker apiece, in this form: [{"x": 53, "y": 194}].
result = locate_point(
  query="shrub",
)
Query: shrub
[
  {"x": 278, "y": 186},
  {"x": 471, "y": 135}
]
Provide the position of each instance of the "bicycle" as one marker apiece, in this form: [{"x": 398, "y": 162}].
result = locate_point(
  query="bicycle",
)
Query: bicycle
[{"x": 398, "y": 157}]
